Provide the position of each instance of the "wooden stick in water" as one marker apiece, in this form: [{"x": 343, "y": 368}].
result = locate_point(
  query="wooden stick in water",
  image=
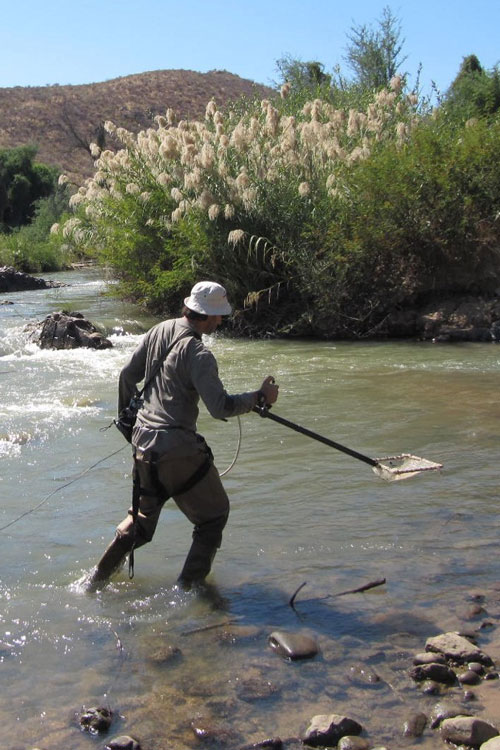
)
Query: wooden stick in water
[{"x": 365, "y": 587}]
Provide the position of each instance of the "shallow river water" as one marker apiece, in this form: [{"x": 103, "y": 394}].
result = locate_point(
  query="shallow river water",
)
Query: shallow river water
[{"x": 301, "y": 512}]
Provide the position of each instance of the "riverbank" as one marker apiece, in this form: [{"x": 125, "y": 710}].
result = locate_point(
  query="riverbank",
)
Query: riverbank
[{"x": 456, "y": 319}]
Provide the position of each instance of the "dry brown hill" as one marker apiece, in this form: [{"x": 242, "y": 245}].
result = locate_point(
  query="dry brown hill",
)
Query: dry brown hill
[{"x": 63, "y": 120}]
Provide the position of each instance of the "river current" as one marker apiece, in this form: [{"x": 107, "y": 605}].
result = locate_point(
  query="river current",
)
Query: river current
[{"x": 301, "y": 513}]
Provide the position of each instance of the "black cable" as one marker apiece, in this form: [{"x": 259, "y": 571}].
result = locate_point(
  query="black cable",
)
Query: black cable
[{"x": 62, "y": 487}]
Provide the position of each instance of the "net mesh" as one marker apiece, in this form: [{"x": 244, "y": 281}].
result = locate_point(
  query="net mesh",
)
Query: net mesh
[{"x": 395, "y": 468}]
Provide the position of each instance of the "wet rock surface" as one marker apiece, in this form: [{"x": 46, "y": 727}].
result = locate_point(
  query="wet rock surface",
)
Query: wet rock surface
[
  {"x": 414, "y": 726},
  {"x": 17, "y": 281},
  {"x": 456, "y": 647},
  {"x": 68, "y": 330},
  {"x": 326, "y": 730},
  {"x": 214, "y": 733},
  {"x": 124, "y": 742},
  {"x": 435, "y": 672},
  {"x": 467, "y": 730},
  {"x": 363, "y": 675},
  {"x": 293, "y": 645},
  {"x": 353, "y": 743}
]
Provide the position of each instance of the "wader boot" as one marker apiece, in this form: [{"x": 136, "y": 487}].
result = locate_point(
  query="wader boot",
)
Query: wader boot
[
  {"x": 197, "y": 565},
  {"x": 112, "y": 559}
]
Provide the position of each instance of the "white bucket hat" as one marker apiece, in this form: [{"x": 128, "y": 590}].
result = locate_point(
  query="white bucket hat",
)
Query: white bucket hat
[{"x": 208, "y": 298}]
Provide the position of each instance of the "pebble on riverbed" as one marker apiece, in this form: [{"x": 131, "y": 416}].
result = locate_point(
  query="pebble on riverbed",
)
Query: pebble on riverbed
[
  {"x": 123, "y": 743},
  {"x": 326, "y": 730},
  {"x": 293, "y": 645}
]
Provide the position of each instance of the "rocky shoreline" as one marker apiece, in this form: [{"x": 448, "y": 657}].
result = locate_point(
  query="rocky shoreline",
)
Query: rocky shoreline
[
  {"x": 12, "y": 280},
  {"x": 447, "y": 321},
  {"x": 457, "y": 319},
  {"x": 446, "y": 695}
]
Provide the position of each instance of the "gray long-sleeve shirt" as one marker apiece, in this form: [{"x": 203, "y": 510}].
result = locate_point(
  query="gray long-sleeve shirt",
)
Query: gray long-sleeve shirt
[{"x": 171, "y": 399}]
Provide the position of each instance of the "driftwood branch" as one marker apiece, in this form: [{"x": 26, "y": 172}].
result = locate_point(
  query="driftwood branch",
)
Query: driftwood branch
[
  {"x": 292, "y": 599},
  {"x": 365, "y": 587},
  {"x": 228, "y": 621}
]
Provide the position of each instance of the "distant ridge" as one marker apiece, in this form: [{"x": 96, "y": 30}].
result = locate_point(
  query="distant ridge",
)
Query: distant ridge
[{"x": 62, "y": 120}]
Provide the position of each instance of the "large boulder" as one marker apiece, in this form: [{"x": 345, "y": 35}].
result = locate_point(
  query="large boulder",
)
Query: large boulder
[
  {"x": 69, "y": 330},
  {"x": 17, "y": 281}
]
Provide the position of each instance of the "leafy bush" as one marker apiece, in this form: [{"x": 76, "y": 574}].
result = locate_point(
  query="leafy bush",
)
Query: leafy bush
[
  {"x": 318, "y": 219},
  {"x": 22, "y": 183},
  {"x": 31, "y": 248}
]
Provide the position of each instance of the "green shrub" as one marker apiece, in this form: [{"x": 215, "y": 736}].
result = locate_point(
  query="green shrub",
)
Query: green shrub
[{"x": 318, "y": 219}]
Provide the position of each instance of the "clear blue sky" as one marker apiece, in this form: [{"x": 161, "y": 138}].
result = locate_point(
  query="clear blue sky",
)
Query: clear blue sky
[{"x": 86, "y": 41}]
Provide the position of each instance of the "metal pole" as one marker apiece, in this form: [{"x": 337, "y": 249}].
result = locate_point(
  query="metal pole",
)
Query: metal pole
[{"x": 264, "y": 412}]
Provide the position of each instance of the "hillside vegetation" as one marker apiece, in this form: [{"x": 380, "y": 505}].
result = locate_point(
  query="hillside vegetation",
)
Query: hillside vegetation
[
  {"x": 320, "y": 220},
  {"x": 62, "y": 121},
  {"x": 328, "y": 210}
]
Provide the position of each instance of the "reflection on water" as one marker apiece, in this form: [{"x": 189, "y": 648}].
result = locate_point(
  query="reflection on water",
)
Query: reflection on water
[{"x": 301, "y": 512}]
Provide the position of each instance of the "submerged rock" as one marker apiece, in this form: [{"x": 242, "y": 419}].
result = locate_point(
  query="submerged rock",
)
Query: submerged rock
[
  {"x": 165, "y": 655},
  {"x": 96, "y": 720},
  {"x": 254, "y": 689},
  {"x": 274, "y": 743},
  {"x": 215, "y": 734},
  {"x": 362, "y": 675}
]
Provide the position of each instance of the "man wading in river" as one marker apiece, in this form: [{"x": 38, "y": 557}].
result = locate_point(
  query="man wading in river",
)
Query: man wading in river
[{"x": 170, "y": 458}]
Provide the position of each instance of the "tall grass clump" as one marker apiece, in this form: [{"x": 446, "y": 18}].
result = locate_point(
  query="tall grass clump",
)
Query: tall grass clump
[{"x": 319, "y": 219}]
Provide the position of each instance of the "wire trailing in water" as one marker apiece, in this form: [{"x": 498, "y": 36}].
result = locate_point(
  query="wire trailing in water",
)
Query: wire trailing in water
[
  {"x": 101, "y": 460},
  {"x": 58, "y": 489}
]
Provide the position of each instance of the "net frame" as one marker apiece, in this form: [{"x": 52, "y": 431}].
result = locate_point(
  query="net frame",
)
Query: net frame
[{"x": 404, "y": 466}]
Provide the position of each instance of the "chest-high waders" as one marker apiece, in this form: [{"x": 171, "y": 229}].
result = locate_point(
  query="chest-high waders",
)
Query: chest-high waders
[
  {"x": 126, "y": 543},
  {"x": 158, "y": 490}
]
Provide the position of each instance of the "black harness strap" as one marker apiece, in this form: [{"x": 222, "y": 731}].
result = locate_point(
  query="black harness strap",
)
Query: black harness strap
[
  {"x": 196, "y": 477},
  {"x": 136, "y": 494}
]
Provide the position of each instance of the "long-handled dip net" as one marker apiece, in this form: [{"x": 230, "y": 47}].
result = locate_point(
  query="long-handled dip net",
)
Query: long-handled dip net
[{"x": 390, "y": 468}]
